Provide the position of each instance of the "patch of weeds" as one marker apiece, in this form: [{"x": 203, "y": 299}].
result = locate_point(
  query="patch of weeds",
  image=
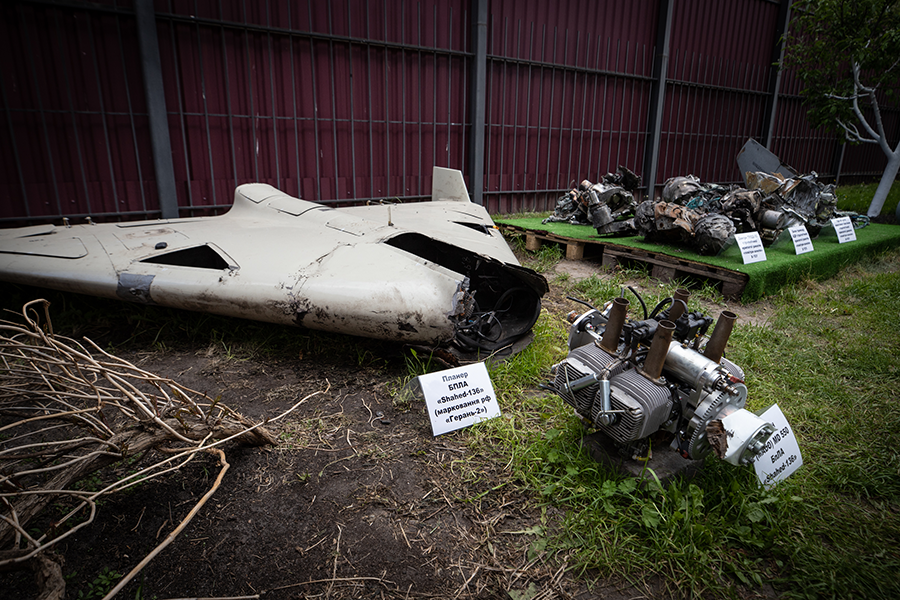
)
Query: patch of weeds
[
  {"x": 91, "y": 483},
  {"x": 545, "y": 258},
  {"x": 562, "y": 279},
  {"x": 417, "y": 364},
  {"x": 366, "y": 358},
  {"x": 528, "y": 214},
  {"x": 531, "y": 366},
  {"x": 401, "y": 397},
  {"x": 858, "y": 198},
  {"x": 596, "y": 290},
  {"x": 404, "y": 390},
  {"x": 101, "y": 585}
]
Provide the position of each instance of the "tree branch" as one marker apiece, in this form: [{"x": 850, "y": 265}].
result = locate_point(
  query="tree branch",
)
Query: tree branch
[
  {"x": 174, "y": 534},
  {"x": 878, "y": 136}
]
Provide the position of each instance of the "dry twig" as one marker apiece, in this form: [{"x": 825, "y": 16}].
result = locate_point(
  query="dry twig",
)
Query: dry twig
[{"x": 67, "y": 411}]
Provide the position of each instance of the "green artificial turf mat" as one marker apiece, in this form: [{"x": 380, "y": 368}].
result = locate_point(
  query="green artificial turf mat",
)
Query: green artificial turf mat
[{"x": 780, "y": 268}]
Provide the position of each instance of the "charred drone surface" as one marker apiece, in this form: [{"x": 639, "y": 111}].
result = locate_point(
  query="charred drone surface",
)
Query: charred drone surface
[
  {"x": 431, "y": 272},
  {"x": 631, "y": 379}
]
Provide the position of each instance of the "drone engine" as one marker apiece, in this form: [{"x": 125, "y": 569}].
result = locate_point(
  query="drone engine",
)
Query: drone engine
[{"x": 631, "y": 379}]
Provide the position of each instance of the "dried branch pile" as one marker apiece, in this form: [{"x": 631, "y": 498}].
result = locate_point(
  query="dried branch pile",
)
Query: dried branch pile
[{"x": 67, "y": 411}]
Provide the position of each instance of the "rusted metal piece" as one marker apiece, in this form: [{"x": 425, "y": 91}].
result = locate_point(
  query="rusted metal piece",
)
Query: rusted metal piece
[
  {"x": 715, "y": 348},
  {"x": 659, "y": 349},
  {"x": 606, "y": 205},
  {"x": 610, "y": 339},
  {"x": 680, "y": 298}
]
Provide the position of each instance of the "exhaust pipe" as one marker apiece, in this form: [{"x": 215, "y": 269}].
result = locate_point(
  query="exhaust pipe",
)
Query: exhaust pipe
[
  {"x": 659, "y": 349},
  {"x": 610, "y": 339},
  {"x": 677, "y": 307},
  {"x": 715, "y": 347}
]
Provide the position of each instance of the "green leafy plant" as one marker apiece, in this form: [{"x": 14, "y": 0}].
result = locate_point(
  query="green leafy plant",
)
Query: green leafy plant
[{"x": 101, "y": 584}]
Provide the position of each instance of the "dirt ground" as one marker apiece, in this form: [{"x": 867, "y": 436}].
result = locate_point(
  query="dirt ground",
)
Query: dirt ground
[{"x": 358, "y": 500}]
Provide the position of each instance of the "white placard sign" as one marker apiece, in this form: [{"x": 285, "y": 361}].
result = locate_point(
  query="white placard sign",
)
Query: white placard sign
[
  {"x": 781, "y": 455},
  {"x": 844, "y": 229},
  {"x": 751, "y": 247},
  {"x": 800, "y": 236},
  {"x": 459, "y": 397}
]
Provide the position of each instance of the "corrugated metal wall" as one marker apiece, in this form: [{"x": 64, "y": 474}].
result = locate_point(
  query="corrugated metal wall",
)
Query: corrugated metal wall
[
  {"x": 353, "y": 100},
  {"x": 74, "y": 130},
  {"x": 328, "y": 101},
  {"x": 721, "y": 54},
  {"x": 567, "y": 95}
]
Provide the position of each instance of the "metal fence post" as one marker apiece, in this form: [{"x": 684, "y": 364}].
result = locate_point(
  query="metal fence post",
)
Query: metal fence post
[
  {"x": 658, "y": 94},
  {"x": 837, "y": 160},
  {"x": 781, "y": 27},
  {"x": 478, "y": 99},
  {"x": 156, "y": 108}
]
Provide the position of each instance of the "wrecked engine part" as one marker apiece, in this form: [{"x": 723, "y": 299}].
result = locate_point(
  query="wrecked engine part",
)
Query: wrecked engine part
[
  {"x": 705, "y": 217},
  {"x": 681, "y": 189},
  {"x": 801, "y": 200},
  {"x": 434, "y": 272},
  {"x": 633, "y": 379},
  {"x": 690, "y": 192},
  {"x": 607, "y": 206},
  {"x": 712, "y": 233}
]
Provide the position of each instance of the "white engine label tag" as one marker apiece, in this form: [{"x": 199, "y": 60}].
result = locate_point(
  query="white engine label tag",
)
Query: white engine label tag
[
  {"x": 844, "y": 229},
  {"x": 751, "y": 247},
  {"x": 781, "y": 455},
  {"x": 800, "y": 236},
  {"x": 459, "y": 397}
]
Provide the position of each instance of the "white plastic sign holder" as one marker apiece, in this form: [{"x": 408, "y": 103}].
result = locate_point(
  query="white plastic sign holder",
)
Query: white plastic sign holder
[
  {"x": 459, "y": 397},
  {"x": 751, "y": 247},
  {"x": 781, "y": 455}
]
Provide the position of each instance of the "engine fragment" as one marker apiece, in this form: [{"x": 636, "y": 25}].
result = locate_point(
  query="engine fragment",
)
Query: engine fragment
[{"x": 660, "y": 377}]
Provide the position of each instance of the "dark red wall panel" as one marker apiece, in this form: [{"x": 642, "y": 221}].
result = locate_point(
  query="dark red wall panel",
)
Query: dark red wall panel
[{"x": 353, "y": 100}]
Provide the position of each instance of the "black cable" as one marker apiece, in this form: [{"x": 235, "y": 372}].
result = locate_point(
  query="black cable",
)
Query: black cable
[
  {"x": 661, "y": 306},
  {"x": 505, "y": 295},
  {"x": 641, "y": 300},
  {"x": 580, "y": 302},
  {"x": 464, "y": 338}
]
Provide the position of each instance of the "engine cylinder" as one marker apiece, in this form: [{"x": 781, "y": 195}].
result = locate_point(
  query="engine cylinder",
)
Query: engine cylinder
[
  {"x": 646, "y": 406},
  {"x": 587, "y": 360}
]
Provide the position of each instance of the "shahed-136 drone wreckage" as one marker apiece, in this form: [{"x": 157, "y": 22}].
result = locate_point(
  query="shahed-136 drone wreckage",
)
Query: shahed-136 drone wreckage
[{"x": 429, "y": 272}]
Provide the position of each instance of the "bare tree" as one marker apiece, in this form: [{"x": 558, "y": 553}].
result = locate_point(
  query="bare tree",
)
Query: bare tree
[{"x": 847, "y": 53}]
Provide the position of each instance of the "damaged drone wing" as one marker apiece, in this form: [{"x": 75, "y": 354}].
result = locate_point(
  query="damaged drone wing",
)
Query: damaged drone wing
[{"x": 426, "y": 272}]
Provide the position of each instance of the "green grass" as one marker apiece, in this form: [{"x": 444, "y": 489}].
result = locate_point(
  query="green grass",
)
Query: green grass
[
  {"x": 544, "y": 259},
  {"x": 829, "y": 359},
  {"x": 858, "y": 198}
]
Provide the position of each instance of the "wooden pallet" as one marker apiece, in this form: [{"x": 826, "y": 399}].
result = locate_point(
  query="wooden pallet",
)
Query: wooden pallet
[
  {"x": 662, "y": 266},
  {"x": 576, "y": 249},
  {"x": 666, "y": 268}
]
